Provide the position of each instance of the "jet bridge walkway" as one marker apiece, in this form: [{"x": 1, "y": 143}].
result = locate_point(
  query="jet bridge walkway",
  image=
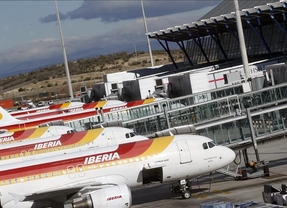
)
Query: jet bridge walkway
[{"x": 221, "y": 115}]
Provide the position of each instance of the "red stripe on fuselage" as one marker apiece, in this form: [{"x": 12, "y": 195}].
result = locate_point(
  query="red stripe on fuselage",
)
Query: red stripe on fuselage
[
  {"x": 125, "y": 151},
  {"x": 23, "y": 134},
  {"x": 65, "y": 139},
  {"x": 216, "y": 80}
]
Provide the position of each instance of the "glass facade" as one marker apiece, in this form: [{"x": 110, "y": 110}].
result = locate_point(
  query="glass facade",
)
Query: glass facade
[{"x": 275, "y": 38}]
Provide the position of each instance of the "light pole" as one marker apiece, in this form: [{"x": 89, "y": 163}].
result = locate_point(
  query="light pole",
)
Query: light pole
[
  {"x": 242, "y": 42},
  {"x": 146, "y": 33},
  {"x": 64, "y": 54}
]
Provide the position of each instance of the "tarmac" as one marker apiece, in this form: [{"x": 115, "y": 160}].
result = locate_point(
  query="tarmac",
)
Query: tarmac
[{"x": 219, "y": 187}]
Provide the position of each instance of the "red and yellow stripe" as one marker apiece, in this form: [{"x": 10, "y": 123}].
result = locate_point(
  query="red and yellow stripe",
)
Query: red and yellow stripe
[
  {"x": 130, "y": 151},
  {"x": 33, "y": 123},
  {"x": 28, "y": 134},
  {"x": 71, "y": 140}
]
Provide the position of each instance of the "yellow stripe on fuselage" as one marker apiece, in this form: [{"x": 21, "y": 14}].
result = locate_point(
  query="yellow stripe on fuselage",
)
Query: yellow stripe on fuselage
[
  {"x": 149, "y": 100},
  {"x": 65, "y": 105},
  {"x": 158, "y": 145},
  {"x": 22, "y": 128},
  {"x": 91, "y": 135},
  {"x": 38, "y": 132},
  {"x": 101, "y": 104}
]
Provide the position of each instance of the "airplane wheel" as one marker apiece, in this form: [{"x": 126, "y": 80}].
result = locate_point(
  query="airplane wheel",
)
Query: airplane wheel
[
  {"x": 186, "y": 195},
  {"x": 176, "y": 190}
]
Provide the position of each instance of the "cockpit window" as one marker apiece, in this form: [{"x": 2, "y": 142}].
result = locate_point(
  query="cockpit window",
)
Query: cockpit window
[
  {"x": 211, "y": 144},
  {"x": 3, "y": 131},
  {"x": 204, "y": 145},
  {"x": 71, "y": 131},
  {"x": 132, "y": 134},
  {"x": 127, "y": 135}
]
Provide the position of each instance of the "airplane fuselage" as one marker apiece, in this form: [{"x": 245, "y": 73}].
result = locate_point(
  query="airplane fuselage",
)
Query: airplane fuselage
[
  {"x": 136, "y": 164},
  {"x": 66, "y": 143}
]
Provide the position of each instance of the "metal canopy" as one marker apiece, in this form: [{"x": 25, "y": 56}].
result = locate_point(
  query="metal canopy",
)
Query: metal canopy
[{"x": 223, "y": 23}]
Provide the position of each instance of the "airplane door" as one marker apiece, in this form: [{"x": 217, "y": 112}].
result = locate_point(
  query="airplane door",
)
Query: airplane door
[
  {"x": 110, "y": 138},
  {"x": 184, "y": 152}
]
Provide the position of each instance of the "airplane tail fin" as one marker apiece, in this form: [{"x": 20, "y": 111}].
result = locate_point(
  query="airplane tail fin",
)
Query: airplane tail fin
[{"x": 6, "y": 118}]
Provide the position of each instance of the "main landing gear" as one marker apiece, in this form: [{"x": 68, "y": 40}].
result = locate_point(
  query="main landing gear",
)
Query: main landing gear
[{"x": 182, "y": 187}]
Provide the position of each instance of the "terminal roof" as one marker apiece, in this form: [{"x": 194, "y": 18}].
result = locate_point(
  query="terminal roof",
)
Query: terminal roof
[{"x": 221, "y": 20}]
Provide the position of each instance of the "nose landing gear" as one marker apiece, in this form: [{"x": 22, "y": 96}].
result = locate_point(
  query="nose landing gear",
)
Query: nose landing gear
[{"x": 182, "y": 187}]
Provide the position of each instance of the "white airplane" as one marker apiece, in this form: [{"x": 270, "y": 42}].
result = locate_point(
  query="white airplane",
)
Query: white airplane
[
  {"x": 36, "y": 133},
  {"x": 103, "y": 177},
  {"x": 33, "y": 120},
  {"x": 66, "y": 143}
]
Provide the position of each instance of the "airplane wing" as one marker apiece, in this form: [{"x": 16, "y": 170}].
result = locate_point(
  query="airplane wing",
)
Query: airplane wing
[
  {"x": 54, "y": 193},
  {"x": 74, "y": 193}
]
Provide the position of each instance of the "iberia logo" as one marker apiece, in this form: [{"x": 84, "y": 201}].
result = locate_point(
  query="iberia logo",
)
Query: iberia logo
[{"x": 1, "y": 116}]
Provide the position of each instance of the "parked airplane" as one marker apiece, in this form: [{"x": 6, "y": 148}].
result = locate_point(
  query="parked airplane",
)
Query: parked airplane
[
  {"x": 13, "y": 124},
  {"x": 52, "y": 108},
  {"x": 66, "y": 143},
  {"x": 79, "y": 106},
  {"x": 40, "y": 132},
  {"x": 103, "y": 177}
]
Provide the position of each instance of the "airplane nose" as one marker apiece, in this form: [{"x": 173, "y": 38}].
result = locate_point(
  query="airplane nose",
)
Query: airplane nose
[{"x": 228, "y": 155}]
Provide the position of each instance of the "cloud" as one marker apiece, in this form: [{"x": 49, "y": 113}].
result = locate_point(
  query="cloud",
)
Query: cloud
[
  {"x": 42, "y": 52},
  {"x": 112, "y": 11},
  {"x": 52, "y": 18}
]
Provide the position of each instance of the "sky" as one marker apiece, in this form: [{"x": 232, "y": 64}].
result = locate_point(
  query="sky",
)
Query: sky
[{"x": 30, "y": 36}]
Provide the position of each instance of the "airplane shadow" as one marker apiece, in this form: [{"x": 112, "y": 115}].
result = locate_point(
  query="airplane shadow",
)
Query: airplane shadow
[
  {"x": 159, "y": 192},
  {"x": 199, "y": 185}
]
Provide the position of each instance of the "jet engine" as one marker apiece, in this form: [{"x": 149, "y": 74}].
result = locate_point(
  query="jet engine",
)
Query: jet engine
[{"x": 113, "y": 196}]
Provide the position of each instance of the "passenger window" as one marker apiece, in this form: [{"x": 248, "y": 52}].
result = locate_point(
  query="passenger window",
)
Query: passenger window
[
  {"x": 204, "y": 145},
  {"x": 211, "y": 144}
]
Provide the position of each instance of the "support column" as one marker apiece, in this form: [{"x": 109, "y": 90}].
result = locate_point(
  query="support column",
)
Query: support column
[
  {"x": 185, "y": 53},
  {"x": 217, "y": 41},
  {"x": 260, "y": 35},
  {"x": 284, "y": 30},
  {"x": 253, "y": 139},
  {"x": 166, "y": 48}
]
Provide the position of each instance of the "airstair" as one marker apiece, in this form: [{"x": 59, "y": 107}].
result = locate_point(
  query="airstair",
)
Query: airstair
[{"x": 231, "y": 170}]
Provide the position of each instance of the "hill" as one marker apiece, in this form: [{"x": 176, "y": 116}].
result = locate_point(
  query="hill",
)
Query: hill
[{"x": 50, "y": 81}]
